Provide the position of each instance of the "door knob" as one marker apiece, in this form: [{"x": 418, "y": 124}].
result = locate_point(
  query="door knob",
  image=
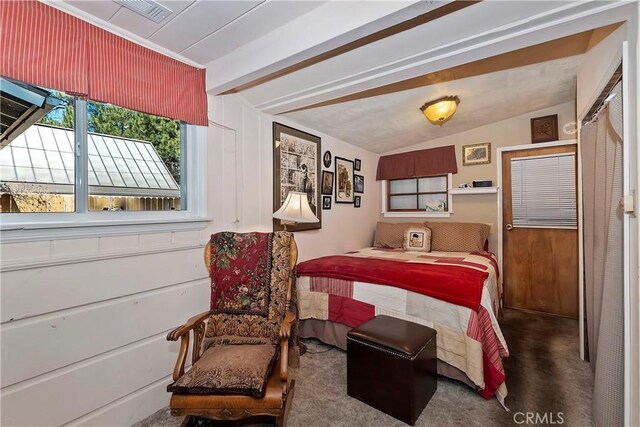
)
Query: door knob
[{"x": 509, "y": 227}]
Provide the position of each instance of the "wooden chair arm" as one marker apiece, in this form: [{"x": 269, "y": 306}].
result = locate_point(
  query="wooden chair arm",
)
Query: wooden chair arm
[
  {"x": 195, "y": 323},
  {"x": 285, "y": 328},
  {"x": 285, "y": 334},
  {"x": 191, "y": 324}
]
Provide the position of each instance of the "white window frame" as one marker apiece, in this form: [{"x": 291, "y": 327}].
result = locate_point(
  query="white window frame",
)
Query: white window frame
[
  {"x": 417, "y": 214},
  {"x": 20, "y": 227}
]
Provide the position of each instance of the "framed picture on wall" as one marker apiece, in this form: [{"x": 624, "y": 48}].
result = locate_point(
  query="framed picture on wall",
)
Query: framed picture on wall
[
  {"x": 326, "y": 202},
  {"x": 357, "y": 164},
  {"x": 296, "y": 166},
  {"x": 326, "y": 159},
  {"x": 358, "y": 183},
  {"x": 357, "y": 201},
  {"x": 476, "y": 154},
  {"x": 327, "y": 182},
  {"x": 544, "y": 129},
  {"x": 344, "y": 180}
]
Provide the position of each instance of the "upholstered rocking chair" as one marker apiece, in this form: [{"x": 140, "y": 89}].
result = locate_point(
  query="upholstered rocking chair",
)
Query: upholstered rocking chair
[{"x": 241, "y": 347}]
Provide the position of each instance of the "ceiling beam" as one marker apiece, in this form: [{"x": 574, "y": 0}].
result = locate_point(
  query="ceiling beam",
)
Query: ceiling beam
[
  {"x": 329, "y": 30},
  {"x": 563, "y": 21},
  {"x": 560, "y": 48}
]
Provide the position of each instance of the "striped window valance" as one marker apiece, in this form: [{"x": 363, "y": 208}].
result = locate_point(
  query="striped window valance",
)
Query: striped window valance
[
  {"x": 47, "y": 47},
  {"x": 419, "y": 163}
]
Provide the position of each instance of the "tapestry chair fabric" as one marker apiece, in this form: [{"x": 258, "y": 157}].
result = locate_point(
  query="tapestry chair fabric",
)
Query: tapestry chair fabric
[{"x": 243, "y": 346}]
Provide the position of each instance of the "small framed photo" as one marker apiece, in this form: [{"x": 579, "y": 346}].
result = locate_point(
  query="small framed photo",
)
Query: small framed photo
[
  {"x": 544, "y": 129},
  {"x": 357, "y": 164},
  {"x": 476, "y": 154},
  {"x": 344, "y": 180},
  {"x": 327, "y": 182},
  {"x": 326, "y": 159},
  {"x": 358, "y": 183},
  {"x": 326, "y": 202},
  {"x": 357, "y": 200}
]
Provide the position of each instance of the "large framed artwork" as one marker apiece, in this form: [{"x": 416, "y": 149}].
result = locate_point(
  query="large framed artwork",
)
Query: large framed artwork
[
  {"x": 296, "y": 166},
  {"x": 344, "y": 180}
]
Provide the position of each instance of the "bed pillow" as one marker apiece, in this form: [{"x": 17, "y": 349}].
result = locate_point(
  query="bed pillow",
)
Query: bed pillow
[
  {"x": 391, "y": 234},
  {"x": 417, "y": 239},
  {"x": 458, "y": 236}
]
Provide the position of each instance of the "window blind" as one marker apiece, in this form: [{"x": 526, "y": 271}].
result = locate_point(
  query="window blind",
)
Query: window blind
[{"x": 543, "y": 191}]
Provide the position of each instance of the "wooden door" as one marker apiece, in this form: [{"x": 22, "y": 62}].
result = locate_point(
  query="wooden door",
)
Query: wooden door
[{"x": 540, "y": 264}]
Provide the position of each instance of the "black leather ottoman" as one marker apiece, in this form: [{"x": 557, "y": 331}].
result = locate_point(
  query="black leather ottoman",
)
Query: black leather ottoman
[{"x": 391, "y": 365}]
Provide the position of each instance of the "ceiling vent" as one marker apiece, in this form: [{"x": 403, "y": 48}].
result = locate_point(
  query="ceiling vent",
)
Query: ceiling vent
[{"x": 148, "y": 8}]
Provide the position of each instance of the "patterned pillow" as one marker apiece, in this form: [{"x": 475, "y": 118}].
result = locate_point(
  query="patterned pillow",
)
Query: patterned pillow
[
  {"x": 229, "y": 369},
  {"x": 391, "y": 234},
  {"x": 417, "y": 239},
  {"x": 458, "y": 236}
]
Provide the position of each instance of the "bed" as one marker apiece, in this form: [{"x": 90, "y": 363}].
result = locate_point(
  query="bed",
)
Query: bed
[{"x": 457, "y": 293}]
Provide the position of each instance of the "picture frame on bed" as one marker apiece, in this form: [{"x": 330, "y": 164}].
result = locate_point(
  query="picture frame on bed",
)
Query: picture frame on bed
[
  {"x": 344, "y": 180},
  {"x": 296, "y": 166}
]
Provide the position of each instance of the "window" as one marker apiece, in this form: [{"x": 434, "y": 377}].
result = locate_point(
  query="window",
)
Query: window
[
  {"x": 417, "y": 197},
  {"x": 428, "y": 194},
  {"x": 133, "y": 160},
  {"x": 543, "y": 191},
  {"x": 66, "y": 162},
  {"x": 36, "y": 160}
]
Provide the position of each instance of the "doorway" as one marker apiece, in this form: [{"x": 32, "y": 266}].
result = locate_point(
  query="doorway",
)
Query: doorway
[{"x": 540, "y": 230}]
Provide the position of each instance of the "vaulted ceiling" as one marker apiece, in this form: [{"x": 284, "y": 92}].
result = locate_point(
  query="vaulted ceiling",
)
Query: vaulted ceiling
[{"x": 359, "y": 70}]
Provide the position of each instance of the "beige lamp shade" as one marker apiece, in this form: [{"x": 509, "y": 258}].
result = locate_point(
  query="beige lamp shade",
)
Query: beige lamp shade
[
  {"x": 296, "y": 209},
  {"x": 440, "y": 110}
]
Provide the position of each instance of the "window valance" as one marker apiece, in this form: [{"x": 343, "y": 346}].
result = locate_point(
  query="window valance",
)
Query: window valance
[
  {"x": 429, "y": 162},
  {"x": 47, "y": 47}
]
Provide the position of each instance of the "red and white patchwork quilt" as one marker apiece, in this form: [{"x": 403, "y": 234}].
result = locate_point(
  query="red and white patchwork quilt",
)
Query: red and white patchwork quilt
[{"x": 456, "y": 293}]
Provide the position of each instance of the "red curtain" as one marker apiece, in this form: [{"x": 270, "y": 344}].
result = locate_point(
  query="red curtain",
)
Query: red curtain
[
  {"x": 430, "y": 162},
  {"x": 44, "y": 46}
]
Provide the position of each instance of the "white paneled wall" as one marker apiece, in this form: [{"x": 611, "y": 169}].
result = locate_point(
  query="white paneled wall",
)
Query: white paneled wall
[
  {"x": 83, "y": 321},
  {"x": 84, "y": 324}
]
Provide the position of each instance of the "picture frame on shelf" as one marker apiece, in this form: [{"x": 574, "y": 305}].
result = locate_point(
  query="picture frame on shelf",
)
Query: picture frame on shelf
[
  {"x": 344, "y": 180},
  {"x": 326, "y": 202},
  {"x": 358, "y": 183},
  {"x": 296, "y": 166},
  {"x": 476, "y": 154},
  {"x": 357, "y": 200},
  {"x": 327, "y": 182},
  {"x": 544, "y": 129}
]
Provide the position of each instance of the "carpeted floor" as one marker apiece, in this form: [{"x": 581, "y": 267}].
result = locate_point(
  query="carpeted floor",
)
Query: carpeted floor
[{"x": 544, "y": 376}]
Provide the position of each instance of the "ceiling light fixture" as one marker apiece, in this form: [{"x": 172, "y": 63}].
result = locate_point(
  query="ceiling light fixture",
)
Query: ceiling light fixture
[{"x": 441, "y": 110}]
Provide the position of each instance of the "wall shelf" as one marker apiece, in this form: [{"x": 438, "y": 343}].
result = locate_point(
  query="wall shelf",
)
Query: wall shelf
[{"x": 474, "y": 190}]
